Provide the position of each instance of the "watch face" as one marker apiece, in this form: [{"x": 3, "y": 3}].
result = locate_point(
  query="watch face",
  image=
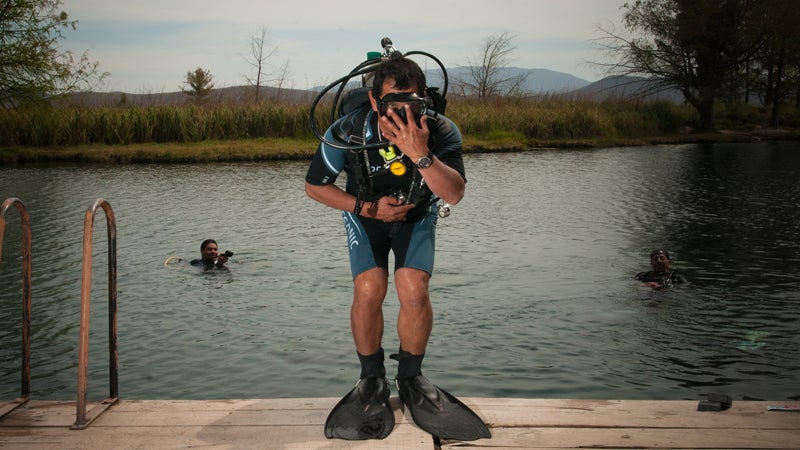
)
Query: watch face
[{"x": 424, "y": 162}]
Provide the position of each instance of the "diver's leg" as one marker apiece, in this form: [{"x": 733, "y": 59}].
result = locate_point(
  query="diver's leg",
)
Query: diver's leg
[
  {"x": 415, "y": 319},
  {"x": 366, "y": 312}
]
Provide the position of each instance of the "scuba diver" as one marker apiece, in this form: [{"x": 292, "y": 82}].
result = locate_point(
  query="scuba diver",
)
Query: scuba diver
[
  {"x": 400, "y": 156},
  {"x": 662, "y": 274},
  {"x": 210, "y": 256}
]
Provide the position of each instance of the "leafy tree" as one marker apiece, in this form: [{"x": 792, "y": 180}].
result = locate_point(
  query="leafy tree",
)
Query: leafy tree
[
  {"x": 778, "y": 58},
  {"x": 486, "y": 78},
  {"x": 695, "y": 46},
  {"x": 32, "y": 67},
  {"x": 200, "y": 84}
]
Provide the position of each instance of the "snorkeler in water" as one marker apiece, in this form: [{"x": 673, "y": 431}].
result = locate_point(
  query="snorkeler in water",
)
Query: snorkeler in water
[
  {"x": 210, "y": 257},
  {"x": 662, "y": 275}
]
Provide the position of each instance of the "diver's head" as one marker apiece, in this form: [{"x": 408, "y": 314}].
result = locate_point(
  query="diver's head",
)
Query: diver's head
[
  {"x": 404, "y": 74},
  {"x": 209, "y": 250},
  {"x": 399, "y": 82},
  {"x": 659, "y": 259}
]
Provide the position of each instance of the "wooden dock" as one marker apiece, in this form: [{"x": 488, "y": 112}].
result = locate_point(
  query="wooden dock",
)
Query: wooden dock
[{"x": 298, "y": 424}]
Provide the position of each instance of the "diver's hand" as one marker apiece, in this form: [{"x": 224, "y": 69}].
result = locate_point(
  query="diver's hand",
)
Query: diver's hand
[
  {"x": 221, "y": 260},
  {"x": 411, "y": 139},
  {"x": 388, "y": 209}
]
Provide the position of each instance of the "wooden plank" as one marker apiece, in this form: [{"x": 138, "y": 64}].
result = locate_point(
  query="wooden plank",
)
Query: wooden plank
[
  {"x": 214, "y": 437},
  {"x": 632, "y": 414},
  {"x": 298, "y": 423},
  {"x": 43, "y": 413},
  {"x": 161, "y": 424},
  {"x": 225, "y": 405},
  {"x": 639, "y": 438},
  {"x": 239, "y": 413}
]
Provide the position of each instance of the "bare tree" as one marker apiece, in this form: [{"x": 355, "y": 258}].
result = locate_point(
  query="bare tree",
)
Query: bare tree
[
  {"x": 200, "y": 84},
  {"x": 486, "y": 77},
  {"x": 282, "y": 75},
  {"x": 259, "y": 55}
]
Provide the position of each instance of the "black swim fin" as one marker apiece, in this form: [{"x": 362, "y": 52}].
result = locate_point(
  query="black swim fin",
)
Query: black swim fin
[
  {"x": 364, "y": 413},
  {"x": 440, "y": 413}
]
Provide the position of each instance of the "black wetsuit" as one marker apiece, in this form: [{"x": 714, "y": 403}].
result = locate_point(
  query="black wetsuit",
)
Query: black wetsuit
[
  {"x": 667, "y": 278},
  {"x": 204, "y": 264}
]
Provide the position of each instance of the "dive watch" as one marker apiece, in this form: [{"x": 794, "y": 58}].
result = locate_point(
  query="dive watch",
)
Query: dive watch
[{"x": 425, "y": 161}]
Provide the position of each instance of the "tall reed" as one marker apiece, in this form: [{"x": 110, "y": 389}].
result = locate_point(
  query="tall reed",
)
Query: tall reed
[
  {"x": 546, "y": 117},
  {"x": 43, "y": 126},
  {"x": 553, "y": 117}
]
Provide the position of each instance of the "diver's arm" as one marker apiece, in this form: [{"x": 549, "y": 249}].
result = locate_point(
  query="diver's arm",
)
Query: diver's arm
[
  {"x": 388, "y": 209},
  {"x": 331, "y": 195},
  {"x": 444, "y": 181}
]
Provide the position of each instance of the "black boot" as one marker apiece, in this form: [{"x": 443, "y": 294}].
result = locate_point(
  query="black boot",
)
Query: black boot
[
  {"x": 408, "y": 365},
  {"x": 372, "y": 365}
]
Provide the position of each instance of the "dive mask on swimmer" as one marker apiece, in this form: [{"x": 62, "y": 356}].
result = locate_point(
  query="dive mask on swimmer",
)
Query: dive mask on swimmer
[{"x": 397, "y": 101}]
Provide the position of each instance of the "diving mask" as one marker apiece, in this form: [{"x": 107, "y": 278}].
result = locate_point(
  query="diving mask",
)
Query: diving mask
[{"x": 397, "y": 102}]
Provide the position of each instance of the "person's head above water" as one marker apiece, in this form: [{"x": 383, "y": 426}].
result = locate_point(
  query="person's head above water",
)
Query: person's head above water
[
  {"x": 659, "y": 260},
  {"x": 209, "y": 251}
]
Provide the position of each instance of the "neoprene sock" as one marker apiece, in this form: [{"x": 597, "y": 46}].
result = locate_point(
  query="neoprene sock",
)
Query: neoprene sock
[
  {"x": 409, "y": 365},
  {"x": 372, "y": 365}
]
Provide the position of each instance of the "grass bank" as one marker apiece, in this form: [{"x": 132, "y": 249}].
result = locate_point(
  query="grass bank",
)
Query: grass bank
[
  {"x": 195, "y": 152},
  {"x": 233, "y": 132},
  {"x": 296, "y": 149}
]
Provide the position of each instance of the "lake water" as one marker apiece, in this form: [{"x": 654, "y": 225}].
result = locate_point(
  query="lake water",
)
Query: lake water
[{"x": 533, "y": 292}]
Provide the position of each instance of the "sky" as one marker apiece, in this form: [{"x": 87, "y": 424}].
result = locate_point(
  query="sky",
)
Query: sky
[{"x": 148, "y": 46}]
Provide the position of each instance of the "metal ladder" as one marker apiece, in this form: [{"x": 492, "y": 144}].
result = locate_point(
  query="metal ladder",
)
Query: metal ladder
[
  {"x": 82, "y": 418},
  {"x": 25, "y": 391}
]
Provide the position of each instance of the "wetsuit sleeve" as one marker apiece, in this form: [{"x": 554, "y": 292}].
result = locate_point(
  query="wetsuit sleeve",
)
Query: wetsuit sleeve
[
  {"x": 327, "y": 163},
  {"x": 448, "y": 146}
]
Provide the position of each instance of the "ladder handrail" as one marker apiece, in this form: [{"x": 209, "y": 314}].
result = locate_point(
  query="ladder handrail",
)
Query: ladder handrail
[
  {"x": 25, "y": 390},
  {"x": 81, "y": 419}
]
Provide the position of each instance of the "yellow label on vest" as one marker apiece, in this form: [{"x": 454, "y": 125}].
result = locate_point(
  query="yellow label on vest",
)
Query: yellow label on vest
[{"x": 398, "y": 168}]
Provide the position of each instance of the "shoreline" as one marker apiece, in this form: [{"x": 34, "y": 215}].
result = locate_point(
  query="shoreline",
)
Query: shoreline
[{"x": 303, "y": 149}]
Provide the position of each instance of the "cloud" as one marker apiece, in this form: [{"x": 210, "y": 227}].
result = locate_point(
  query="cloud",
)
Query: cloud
[{"x": 154, "y": 43}]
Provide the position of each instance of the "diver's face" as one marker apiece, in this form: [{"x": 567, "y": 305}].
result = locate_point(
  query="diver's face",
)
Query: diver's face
[
  {"x": 396, "y": 99},
  {"x": 660, "y": 262},
  {"x": 209, "y": 253}
]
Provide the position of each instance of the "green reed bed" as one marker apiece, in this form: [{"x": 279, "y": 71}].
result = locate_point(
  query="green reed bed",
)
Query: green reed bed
[
  {"x": 552, "y": 118},
  {"x": 239, "y": 132},
  {"x": 189, "y": 132},
  {"x": 124, "y": 125},
  {"x": 193, "y": 152}
]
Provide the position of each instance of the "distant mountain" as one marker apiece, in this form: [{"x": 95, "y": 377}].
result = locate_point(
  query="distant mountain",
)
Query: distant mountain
[
  {"x": 626, "y": 87},
  {"x": 537, "y": 81},
  {"x": 235, "y": 94}
]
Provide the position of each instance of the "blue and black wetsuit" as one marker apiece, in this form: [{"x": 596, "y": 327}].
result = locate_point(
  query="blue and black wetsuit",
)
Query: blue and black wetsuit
[{"x": 376, "y": 173}]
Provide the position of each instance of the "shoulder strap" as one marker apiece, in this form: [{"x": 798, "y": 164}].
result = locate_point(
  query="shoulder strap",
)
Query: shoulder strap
[{"x": 349, "y": 129}]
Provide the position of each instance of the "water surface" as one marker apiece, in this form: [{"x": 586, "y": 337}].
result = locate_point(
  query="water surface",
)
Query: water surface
[{"x": 533, "y": 292}]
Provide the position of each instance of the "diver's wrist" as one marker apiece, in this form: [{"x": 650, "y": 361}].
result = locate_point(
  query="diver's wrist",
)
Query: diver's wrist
[
  {"x": 426, "y": 161},
  {"x": 372, "y": 209}
]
